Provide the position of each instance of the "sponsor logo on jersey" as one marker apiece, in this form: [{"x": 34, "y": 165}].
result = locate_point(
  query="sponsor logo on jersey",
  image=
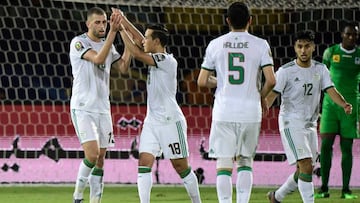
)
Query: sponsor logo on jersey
[
  {"x": 336, "y": 58},
  {"x": 316, "y": 77}
]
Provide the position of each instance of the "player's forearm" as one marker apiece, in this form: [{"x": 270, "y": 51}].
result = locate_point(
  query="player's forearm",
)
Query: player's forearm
[
  {"x": 337, "y": 97},
  {"x": 104, "y": 51},
  {"x": 125, "y": 61},
  {"x": 270, "y": 81},
  {"x": 206, "y": 79},
  {"x": 129, "y": 44},
  {"x": 270, "y": 98},
  {"x": 211, "y": 82},
  {"x": 137, "y": 35},
  {"x": 266, "y": 89}
]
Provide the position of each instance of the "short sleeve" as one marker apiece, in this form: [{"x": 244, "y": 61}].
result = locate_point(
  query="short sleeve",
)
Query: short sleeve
[
  {"x": 280, "y": 81},
  {"x": 209, "y": 62},
  {"x": 327, "y": 57},
  {"x": 79, "y": 47},
  {"x": 266, "y": 57},
  {"x": 115, "y": 54}
]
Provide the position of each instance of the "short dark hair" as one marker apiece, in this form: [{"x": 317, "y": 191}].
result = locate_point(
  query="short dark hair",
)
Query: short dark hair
[
  {"x": 349, "y": 24},
  {"x": 238, "y": 14},
  {"x": 308, "y": 35},
  {"x": 95, "y": 10},
  {"x": 160, "y": 32}
]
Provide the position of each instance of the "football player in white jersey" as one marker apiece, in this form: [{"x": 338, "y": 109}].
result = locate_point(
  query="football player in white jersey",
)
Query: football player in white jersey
[
  {"x": 239, "y": 60},
  {"x": 165, "y": 127},
  {"x": 92, "y": 54},
  {"x": 300, "y": 83}
]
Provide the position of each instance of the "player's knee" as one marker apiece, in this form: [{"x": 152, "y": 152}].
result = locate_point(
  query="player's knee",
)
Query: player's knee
[
  {"x": 305, "y": 165},
  {"x": 180, "y": 165},
  {"x": 224, "y": 163},
  {"x": 243, "y": 161},
  {"x": 146, "y": 159},
  {"x": 92, "y": 157},
  {"x": 100, "y": 162},
  {"x": 346, "y": 146}
]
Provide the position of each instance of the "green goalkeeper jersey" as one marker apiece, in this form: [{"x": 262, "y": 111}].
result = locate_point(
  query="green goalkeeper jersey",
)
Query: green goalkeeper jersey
[{"x": 344, "y": 69}]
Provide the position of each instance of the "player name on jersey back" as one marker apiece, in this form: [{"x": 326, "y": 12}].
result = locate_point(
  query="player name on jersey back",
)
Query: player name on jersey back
[{"x": 236, "y": 45}]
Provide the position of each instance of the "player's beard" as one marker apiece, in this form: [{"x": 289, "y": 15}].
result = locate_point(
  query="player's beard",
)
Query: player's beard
[
  {"x": 304, "y": 59},
  {"x": 99, "y": 34}
]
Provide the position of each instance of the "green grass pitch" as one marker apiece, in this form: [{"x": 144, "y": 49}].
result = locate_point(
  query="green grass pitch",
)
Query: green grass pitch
[{"x": 128, "y": 194}]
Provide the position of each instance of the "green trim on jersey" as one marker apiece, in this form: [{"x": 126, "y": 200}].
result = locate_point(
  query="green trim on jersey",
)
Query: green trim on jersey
[
  {"x": 75, "y": 123},
  {"x": 291, "y": 142},
  {"x": 266, "y": 65},
  {"x": 182, "y": 139},
  {"x": 289, "y": 64},
  {"x": 276, "y": 92},
  {"x": 207, "y": 69}
]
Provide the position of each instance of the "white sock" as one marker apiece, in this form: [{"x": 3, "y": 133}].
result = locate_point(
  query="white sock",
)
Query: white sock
[
  {"x": 224, "y": 188},
  {"x": 307, "y": 191},
  {"x": 144, "y": 184},
  {"x": 244, "y": 183},
  {"x": 288, "y": 187},
  {"x": 81, "y": 180},
  {"x": 192, "y": 187},
  {"x": 96, "y": 188}
]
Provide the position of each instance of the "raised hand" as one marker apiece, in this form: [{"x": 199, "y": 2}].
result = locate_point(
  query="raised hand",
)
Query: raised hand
[{"x": 115, "y": 24}]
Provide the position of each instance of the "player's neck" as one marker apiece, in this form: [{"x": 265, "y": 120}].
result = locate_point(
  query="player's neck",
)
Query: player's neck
[
  {"x": 160, "y": 49},
  {"x": 92, "y": 37},
  {"x": 239, "y": 30},
  {"x": 347, "y": 47},
  {"x": 303, "y": 64}
]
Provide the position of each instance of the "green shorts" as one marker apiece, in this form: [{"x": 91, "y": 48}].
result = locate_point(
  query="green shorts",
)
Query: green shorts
[{"x": 334, "y": 120}]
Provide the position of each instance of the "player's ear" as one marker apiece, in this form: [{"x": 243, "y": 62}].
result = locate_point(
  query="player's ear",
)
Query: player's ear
[
  {"x": 157, "y": 41},
  {"x": 228, "y": 21},
  {"x": 250, "y": 20}
]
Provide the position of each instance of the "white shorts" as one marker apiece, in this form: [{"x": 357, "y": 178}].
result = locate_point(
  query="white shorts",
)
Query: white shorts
[
  {"x": 299, "y": 140},
  {"x": 93, "y": 126},
  {"x": 169, "y": 139},
  {"x": 230, "y": 139}
]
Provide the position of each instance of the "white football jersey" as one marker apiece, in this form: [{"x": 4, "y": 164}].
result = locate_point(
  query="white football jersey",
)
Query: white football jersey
[
  {"x": 90, "y": 91},
  {"x": 300, "y": 89},
  {"x": 161, "y": 90},
  {"x": 237, "y": 58}
]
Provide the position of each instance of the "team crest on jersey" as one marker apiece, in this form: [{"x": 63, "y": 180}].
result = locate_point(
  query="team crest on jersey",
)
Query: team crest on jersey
[
  {"x": 159, "y": 57},
  {"x": 79, "y": 46},
  {"x": 317, "y": 77},
  {"x": 357, "y": 60},
  {"x": 336, "y": 58}
]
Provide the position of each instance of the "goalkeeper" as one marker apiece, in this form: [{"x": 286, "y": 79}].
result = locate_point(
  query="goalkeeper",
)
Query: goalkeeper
[{"x": 343, "y": 60}]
